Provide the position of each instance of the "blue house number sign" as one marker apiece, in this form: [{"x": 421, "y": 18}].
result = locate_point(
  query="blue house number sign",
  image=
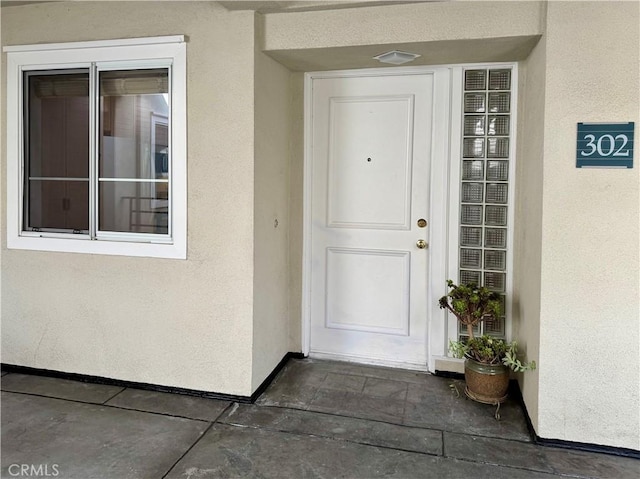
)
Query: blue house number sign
[{"x": 608, "y": 145}]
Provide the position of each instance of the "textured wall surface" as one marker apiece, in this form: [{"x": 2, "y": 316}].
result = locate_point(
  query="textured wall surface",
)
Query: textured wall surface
[
  {"x": 528, "y": 219},
  {"x": 271, "y": 228},
  {"x": 177, "y": 323},
  {"x": 590, "y": 272},
  {"x": 296, "y": 194},
  {"x": 393, "y": 24}
]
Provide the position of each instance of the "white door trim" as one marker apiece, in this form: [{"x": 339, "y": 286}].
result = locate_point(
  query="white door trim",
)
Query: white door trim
[{"x": 439, "y": 194}]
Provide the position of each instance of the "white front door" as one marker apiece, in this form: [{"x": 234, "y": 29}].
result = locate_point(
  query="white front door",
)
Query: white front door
[{"x": 370, "y": 159}]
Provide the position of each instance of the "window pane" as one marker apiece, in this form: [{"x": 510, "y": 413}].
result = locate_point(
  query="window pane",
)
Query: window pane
[
  {"x": 57, "y": 147},
  {"x": 59, "y": 205},
  {"x": 58, "y": 125},
  {"x": 133, "y": 207},
  {"x": 470, "y": 236},
  {"x": 134, "y": 124},
  {"x": 473, "y": 170}
]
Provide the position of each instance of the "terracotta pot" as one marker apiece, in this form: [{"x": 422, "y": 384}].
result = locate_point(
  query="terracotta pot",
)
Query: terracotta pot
[{"x": 486, "y": 383}]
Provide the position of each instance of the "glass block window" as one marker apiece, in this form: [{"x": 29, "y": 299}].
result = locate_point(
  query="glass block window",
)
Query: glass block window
[{"x": 484, "y": 190}]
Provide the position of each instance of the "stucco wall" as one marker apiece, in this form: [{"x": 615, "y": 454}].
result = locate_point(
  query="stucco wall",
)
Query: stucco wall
[
  {"x": 528, "y": 219},
  {"x": 296, "y": 192},
  {"x": 590, "y": 267},
  {"x": 271, "y": 210},
  {"x": 396, "y": 24},
  {"x": 177, "y": 323}
]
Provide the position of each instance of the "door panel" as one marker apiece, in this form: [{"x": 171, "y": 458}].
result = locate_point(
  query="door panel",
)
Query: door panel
[
  {"x": 370, "y": 167},
  {"x": 368, "y": 291},
  {"x": 370, "y": 190}
]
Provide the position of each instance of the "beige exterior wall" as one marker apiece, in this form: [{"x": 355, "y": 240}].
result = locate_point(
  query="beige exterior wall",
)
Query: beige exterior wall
[
  {"x": 528, "y": 220},
  {"x": 397, "y": 24},
  {"x": 589, "y": 378},
  {"x": 271, "y": 213},
  {"x": 170, "y": 322},
  {"x": 296, "y": 193}
]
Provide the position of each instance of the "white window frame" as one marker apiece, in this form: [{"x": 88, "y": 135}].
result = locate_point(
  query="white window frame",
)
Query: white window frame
[{"x": 167, "y": 50}]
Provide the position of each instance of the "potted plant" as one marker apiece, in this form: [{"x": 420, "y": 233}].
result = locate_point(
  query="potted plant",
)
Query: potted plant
[{"x": 488, "y": 360}]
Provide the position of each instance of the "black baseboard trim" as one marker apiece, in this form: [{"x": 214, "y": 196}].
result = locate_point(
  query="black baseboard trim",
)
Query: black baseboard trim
[
  {"x": 269, "y": 379},
  {"x": 588, "y": 447},
  {"x": 449, "y": 375},
  {"x": 85, "y": 378}
]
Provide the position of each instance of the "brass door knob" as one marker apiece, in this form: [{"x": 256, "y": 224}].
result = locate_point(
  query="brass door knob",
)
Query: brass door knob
[{"x": 422, "y": 244}]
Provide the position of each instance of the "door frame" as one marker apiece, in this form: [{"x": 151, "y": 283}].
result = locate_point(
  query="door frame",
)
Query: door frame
[{"x": 439, "y": 173}]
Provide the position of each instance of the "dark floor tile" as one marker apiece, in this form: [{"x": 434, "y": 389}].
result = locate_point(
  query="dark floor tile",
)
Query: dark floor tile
[
  {"x": 330, "y": 401},
  {"x": 170, "y": 404},
  {"x": 585, "y": 464},
  {"x": 496, "y": 451},
  {"x": 59, "y": 388},
  {"x": 397, "y": 374},
  {"x": 241, "y": 452},
  {"x": 343, "y": 382},
  {"x": 295, "y": 386},
  {"x": 337, "y": 427},
  {"x": 285, "y": 394},
  {"x": 385, "y": 388},
  {"x": 537, "y": 458},
  {"x": 376, "y": 408},
  {"x": 435, "y": 389},
  {"x": 299, "y": 373},
  {"x": 358, "y": 405},
  {"x": 436, "y": 414},
  {"x": 458, "y": 414},
  {"x": 88, "y": 441},
  {"x": 4, "y": 373}
]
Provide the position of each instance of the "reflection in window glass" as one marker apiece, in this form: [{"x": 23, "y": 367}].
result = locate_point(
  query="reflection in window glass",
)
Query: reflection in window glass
[
  {"x": 134, "y": 145},
  {"x": 56, "y": 192},
  {"x": 127, "y": 206}
]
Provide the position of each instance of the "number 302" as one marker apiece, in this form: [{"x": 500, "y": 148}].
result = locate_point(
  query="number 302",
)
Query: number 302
[{"x": 607, "y": 148}]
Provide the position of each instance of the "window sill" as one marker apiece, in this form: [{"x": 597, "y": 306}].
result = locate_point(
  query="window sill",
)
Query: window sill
[{"x": 175, "y": 250}]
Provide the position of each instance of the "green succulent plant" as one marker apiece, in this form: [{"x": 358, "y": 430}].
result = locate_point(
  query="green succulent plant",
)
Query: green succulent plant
[
  {"x": 472, "y": 304},
  {"x": 490, "y": 350}
]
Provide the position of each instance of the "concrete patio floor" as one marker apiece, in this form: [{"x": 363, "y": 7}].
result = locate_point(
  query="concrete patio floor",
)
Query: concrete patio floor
[{"x": 318, "y": 419}]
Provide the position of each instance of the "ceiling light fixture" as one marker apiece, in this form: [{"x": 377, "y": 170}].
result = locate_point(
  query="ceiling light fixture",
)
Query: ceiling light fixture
[{"x": 396, "y": 57}]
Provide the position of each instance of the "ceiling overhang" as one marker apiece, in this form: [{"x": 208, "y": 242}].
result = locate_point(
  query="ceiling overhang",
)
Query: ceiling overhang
[
  {"x": 443, "y": 52},
  {"x": 307, "y": 5}
]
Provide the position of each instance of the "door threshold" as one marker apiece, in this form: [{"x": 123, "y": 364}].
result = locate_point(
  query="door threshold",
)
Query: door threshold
[{"x": 368, "y": 361}]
